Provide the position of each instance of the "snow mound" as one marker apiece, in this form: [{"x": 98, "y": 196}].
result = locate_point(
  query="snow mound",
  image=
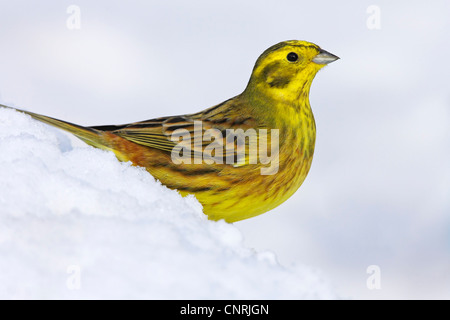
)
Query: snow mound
[{"x": 77, "y": 223}]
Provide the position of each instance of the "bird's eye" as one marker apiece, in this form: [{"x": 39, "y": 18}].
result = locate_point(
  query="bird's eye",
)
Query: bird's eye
[{"x": 292, "y": 57}]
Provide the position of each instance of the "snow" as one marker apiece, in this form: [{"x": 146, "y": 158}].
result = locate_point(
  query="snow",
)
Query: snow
[{"x": 77, "y": 223}]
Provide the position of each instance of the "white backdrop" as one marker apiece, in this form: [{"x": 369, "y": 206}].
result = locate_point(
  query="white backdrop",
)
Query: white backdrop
[{"x": 378, "y": 192}]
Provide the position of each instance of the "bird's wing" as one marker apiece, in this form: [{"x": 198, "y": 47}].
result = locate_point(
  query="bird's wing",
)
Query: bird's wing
[{"x": 166, "y": 133}]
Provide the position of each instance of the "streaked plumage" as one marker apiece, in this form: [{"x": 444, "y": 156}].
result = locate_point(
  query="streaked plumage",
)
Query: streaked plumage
[{"x": 276, "y": 97}]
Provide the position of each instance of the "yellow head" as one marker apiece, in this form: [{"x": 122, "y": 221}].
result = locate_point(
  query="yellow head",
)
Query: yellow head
[{"x": 285, "y": 71}]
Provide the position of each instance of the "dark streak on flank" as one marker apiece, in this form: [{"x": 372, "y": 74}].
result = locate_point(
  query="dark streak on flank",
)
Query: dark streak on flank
[
  {"x": 195, "y": 172},
  {"x": 190, "y": 189},
  {"x": 161, "y": 165}
]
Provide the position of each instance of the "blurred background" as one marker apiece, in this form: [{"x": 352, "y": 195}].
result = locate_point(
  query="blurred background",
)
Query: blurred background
[{"x": 378, "y": 193}]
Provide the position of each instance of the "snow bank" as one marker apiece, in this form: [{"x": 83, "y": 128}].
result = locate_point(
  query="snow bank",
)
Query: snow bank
[{"x": 77, "y": 223}]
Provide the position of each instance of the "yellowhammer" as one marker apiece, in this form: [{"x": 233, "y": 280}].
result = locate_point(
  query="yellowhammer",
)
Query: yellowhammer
[{"x": 185, "y": 152}]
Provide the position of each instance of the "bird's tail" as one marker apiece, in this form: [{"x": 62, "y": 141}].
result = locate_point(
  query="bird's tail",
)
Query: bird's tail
[{"x": 91, "y": 136}]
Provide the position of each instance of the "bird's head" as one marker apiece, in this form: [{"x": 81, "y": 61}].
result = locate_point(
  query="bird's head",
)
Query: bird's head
[{"x": 285, "y": 71}]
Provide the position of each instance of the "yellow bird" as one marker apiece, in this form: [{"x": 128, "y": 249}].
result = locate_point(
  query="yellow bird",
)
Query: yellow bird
[{"x": 273, "y": 107}]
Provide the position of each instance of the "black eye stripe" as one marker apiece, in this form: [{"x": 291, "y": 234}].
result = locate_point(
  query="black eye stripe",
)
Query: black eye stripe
[{"x": 292, "y": 57}]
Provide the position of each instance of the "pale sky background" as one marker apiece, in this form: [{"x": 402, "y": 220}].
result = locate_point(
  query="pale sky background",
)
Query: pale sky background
[{"x": 378, "y": 192}]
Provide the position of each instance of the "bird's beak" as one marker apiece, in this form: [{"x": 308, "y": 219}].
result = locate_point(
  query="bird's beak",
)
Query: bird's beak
[{"x": 324, "y": 57}]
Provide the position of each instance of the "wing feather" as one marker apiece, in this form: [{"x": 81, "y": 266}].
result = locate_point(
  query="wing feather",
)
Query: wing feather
[{"x": 161, "y": 133}]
